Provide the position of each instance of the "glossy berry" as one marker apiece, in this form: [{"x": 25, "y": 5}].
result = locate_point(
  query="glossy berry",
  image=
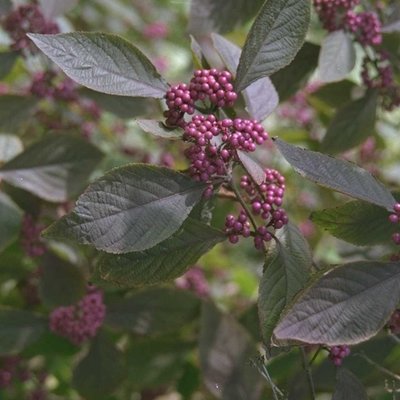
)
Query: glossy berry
[
  {"x": 332, "y": 12},
  {"x": 396, "y": 238},
  {"x": 235, "y": 227},
  {"x": 366, "y": 27},
  {"x": 338, "y": 353},
  {"x": 179, "y": 102}
]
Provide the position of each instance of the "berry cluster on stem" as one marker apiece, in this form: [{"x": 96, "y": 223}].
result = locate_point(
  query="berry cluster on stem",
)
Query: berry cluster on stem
[
  {"x": 31, "y": 242},
  {"x": 338, "y": 353}
]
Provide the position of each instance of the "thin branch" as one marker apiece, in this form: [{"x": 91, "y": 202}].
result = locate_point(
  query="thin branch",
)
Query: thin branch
[
  {"x": 379, "y": 367},
  {"x": 307, "y": 370}
]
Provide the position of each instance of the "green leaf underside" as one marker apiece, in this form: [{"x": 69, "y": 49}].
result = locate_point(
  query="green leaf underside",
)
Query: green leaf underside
[
  {"x": 337, "y": 57},
  {"x": 54, "y": 169},
  {"x": 101, "y": 371},
  {"x": 274, "y": 39},
  {"x": 163, "y": 262},
  {"x": 348, "y": 387},
  {"x": 103, "y": 62},
  {"x": 14, "y": 111},
  {"x": 18, "y": 329},
  {"x": 260, "y": 97},
  {"x": 287, "y": 270},
  {"x": 157, "y": 128},
  {"x": 339, "y": 175},
  {"x": 225, "y": 352},
  {"x": 131, "y": 208},
  {"x": 154, "y": 311},
  {"x": 356, "y": 222},
  {"x": 10, "y": 221},
  {"x": 347, "y": 305}
]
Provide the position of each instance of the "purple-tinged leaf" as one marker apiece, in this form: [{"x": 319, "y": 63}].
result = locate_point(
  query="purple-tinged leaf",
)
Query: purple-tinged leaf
[
  {"x": 254, "y": 169},
  {"x": 157, "y": 128}
]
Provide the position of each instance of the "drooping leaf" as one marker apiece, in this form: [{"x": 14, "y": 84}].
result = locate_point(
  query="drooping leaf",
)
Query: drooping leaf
[
  {"x": 338, "y": 175},
  {"x": 356, "y": 222},
  {"x": 166, "y": 261},
  {"x": 55, "y": 169},
  {"x": 220, "y": 15},
  {"x": 157, "y": 128},
  {"x": 261, "y": 97},
  {"x": 18, "y": 329},
  {"x": 286, "y": 272},
  {"x": 347, "y": 305},
  {"x": 10, "y": 220},
  {"x": 254, "y": 169},
  {"x": 225, "y": 353},
  {"x": 337, "y": 57},
  {"x": 103, "y": 62},
  {"x": 14, "y": 111},
  {"x": 61, "y": 283},
  {"x": 348, "y": 387},
  {"x": 290, "y": 79},
  {"x": 335, "y": 94},
  {"x": 7, "y": 62},
  {"x": 274, "y": 39},
  {"x": 352, "y": 124},
  {"x": 101, "y": 371},
  {"x": 10, "y": 146},
  {"x": 154, "y": 311},
  {"x": 131, "y": 208}
]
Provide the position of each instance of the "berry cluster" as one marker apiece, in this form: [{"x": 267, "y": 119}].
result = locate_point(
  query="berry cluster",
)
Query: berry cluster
[
  {"x": 235, "y": 227},
  {"x": 366, "y": 27},
  {"x": 46, "y": 85},
  {"x": 30, "y": 237},
  {"x": 195, "y": 281},
  {"x": 338, "y": 353},
  {"x": 27, "y": 18},
  {"x": 394, "y": 323},
  {"x": 332, "y": 12},
  {"x": 394, "y": 218},
  {"x": 155, "y": 30},
  {"x": 79, "y": 322}
]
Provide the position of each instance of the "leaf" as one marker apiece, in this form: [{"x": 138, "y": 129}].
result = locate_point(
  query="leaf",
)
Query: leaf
[
  {"x": 337, "y": 57},
  {"x": 286, "y": 272},
  {"x": 392, "y": 27},
  {"x": 253, "y": 168},
  {"x": 18, "y": 329},
  {"x": 61, "y": 283},
  {"x": 335, "y": 94},
  {"x": 102, "y": 370},
  {"x": 7, "y": 62},
  {"x": 220, "y": 15},
  {"x": 154, "y": 311},
  {"x": 165, "y": 261},
  {"x": 274, "y": 39},
  {"x": 261, "y": 97},
  {"x": 10, "y": 221},
  {"x": 356, "y": 222},
  {"x": 347, "y": 305},
  {"x": 157, "y": 128},
  {"x": 5, "y": 7},
  {"x": 55, "y": 168},
  {"x": 10, "y": 146},
  {"x": 351, "y": 125},
  {"x": 225, "y": 352},
  {"x": 131, "y": 208},
  {"x": 56, "y": 8},
  {"x": 14, "y": 111},
  {"x": 348, "y": 387},
  {"x": 103, "y": 62},
  {"x": 335, "y": 174},
  {"x": 199, "y": 60}
]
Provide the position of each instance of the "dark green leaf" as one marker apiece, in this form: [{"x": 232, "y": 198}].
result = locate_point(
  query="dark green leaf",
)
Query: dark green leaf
[
  {"x": 356, "y": 222},
  {"x": 10, "y": 146},
  {"x": 55, "y": 168},
  {"x": 131, "y": 208},
  {"x": 166, "y": 261},
  {"x": 225, "y": 353},
  {"x": 18, "y": 329},
  {"x": 5, "y": 7},
  {"x": 61, "y": 283},
  {"x": 7, "y": 61},
  {"x": 103, "y": 62},
  {"x": 157, "y": 128},
  {"x": 347, "y": 305},
  {"x": 348, "y": 387},
  {"x": 335, "y": 94},
  {"x": 352, "y": 124},
  {"x": 101, "y": 371},
  {"x": 291, "y": 78},
  {"x": 154, "y": 311},
  {"x": 338, "y": 175},
  {"x": 274, "y": 39},
  {"x": 337, "y": 57},
  {"x": 10, "y": 221},
  {"x": 220, "y": 15},
  {"x": 287, "y": 269},
  {"x": 253, "y": 168},
  {"x": 14, "y": 111}
]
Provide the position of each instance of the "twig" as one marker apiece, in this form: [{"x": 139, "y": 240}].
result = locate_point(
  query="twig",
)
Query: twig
[{"x": 307, "y": 370}]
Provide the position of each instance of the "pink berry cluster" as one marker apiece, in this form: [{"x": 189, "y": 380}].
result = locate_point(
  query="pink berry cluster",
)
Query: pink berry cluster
[
  {"x": 366, "y": 27},
  {"x": 235, "y": 227},
  {"x": 394, "y": 218},
  {"x": 155, "y": 30},
  {"x": 338, "y": 353},
  {"x": 80, "y": 322},
  {"x": 46, "y": 85},
  {"x": 206, "y": 84},
  {"x": 195, "y": 281},
  {"x": 30, "y": 237},
  {"x": 394, "y": 322},
  {"x": 27, "y": 18},
  {"x": 332, "y": 12}
]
